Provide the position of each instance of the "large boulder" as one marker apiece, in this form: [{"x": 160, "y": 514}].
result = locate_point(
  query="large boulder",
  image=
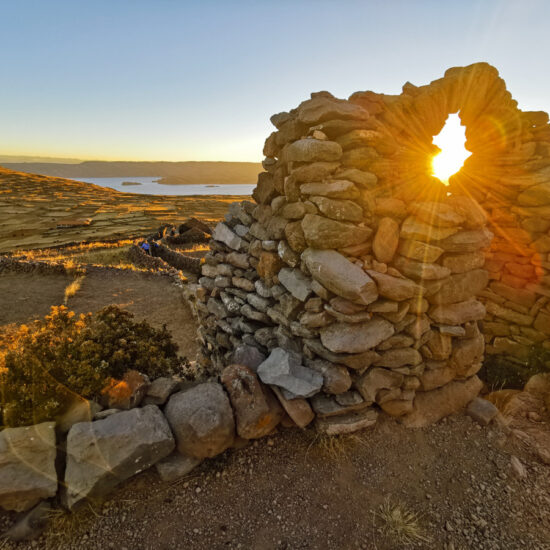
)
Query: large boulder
[
  {"x": 339, "y": 275},
  {"x": 202, "y": 420},
  {"x": 257, "y": 411},
  {"x": 27, "y": 466},
  {"x": 102, "y": 454}
]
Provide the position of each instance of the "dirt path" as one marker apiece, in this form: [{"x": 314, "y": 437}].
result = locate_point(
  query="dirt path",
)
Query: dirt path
[
  {"x": 292, "y": 491},
  {"x": 27, "y": 296}
]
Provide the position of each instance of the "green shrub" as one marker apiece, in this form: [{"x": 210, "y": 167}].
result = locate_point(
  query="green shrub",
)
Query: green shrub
[{"x": 43, "y": 365}]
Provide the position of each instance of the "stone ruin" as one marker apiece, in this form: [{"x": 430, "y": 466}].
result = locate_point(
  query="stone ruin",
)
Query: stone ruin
[{"x": 357, "y": 281}]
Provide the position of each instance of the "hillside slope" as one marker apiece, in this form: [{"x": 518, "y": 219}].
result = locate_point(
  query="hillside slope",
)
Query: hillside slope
[
  {"x": 40, "y": 211},
  {"x": 185, "y": 172}
]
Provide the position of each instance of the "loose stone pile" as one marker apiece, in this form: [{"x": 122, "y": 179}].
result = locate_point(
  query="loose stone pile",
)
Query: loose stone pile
[
  {"x": 167, "y": 423},
  {"x": 353, "y": 281}
]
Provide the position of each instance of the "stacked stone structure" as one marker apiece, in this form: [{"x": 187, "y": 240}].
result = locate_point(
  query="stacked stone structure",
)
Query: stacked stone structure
[
  {"x": 357, "y": 280},
  {"x": 508, "y": 175}
]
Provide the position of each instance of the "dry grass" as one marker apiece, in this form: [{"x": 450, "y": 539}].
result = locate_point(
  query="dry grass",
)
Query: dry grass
[
  {"x": 114, "y": 257},
  {"x": 401, "y": 525},
  {"x": 72, "y": 288},
  {"x": 334, "y": 447},
  {"x": 63, "y": 523}
]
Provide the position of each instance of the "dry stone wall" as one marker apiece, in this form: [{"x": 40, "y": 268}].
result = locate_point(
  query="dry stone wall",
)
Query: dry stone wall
[
  {"x": 357, "y": 281},
  {"x": 508, "y": 175}
]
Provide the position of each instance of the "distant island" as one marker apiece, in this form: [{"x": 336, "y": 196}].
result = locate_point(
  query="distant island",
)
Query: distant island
[
  {"x": 130, "y": 183},
  {"x": 170, "y": 173}
]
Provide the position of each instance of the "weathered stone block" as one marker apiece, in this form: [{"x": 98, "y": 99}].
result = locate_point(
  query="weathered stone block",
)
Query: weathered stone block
[
  {"x": 27, "y": 466},
  {"x": 202, "y": 420},
  {"x": 339, "y": 275},
  {"x": 102, "y": 454}
]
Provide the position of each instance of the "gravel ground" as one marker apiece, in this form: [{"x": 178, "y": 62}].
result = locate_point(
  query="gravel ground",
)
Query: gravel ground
[{"x": 296, "y": 490}]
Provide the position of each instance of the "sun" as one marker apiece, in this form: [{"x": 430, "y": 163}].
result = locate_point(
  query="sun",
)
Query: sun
[{"x": 451, "y": 141}]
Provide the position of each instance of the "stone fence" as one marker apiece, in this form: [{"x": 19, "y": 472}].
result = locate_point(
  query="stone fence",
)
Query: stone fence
[{"x": 357, "y": 281}]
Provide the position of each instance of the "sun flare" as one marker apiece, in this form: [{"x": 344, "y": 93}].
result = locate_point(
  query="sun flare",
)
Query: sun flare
[{"x": 451, "y": 141}]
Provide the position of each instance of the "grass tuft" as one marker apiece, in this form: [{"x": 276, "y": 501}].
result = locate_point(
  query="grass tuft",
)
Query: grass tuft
[
  {"x": 64, "y": 524},
  {"x": 72, "y": 288},
  {"x": 400, "y": 524},
  {"x": 334, "y": 447}
]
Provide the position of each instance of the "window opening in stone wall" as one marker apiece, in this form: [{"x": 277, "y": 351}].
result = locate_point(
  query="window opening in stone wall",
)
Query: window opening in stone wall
[{"x": 451, "y": 141}]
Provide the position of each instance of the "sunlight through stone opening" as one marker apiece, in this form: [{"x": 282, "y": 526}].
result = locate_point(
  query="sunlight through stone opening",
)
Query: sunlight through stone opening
[{"x": 451, "y": 141}]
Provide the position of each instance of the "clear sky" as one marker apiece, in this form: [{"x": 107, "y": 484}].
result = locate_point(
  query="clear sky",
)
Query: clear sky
[{"x": 183, "y": 80}]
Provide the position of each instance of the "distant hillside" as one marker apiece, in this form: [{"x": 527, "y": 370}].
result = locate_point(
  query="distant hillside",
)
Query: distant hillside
[
  {"x": 172, "y": 172},
  {"x": 39, "y": 211},
  {"x": 27, "y": 158}
]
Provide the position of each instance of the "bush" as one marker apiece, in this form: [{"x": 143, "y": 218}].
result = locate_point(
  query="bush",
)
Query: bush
[{"x": 42, "y": 366}]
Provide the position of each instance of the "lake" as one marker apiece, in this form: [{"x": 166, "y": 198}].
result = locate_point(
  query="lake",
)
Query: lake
[{"x": 150, "y": 187}]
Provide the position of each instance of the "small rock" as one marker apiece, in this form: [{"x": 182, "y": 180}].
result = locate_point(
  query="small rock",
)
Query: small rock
[
  {"x": 31, "y": 525},
  {"x": 284, "y": 370},
  {"x": 347, "y": 423},
  {"x": 160, "y": 390},
  {"x": 249, "y": 356},
  {"x": 298, "y": 410},
  {"x": 126, "y": 393},
  {"x": 176, "y": 466},
  {"x": 518, "y": 469},
  {"x": 482, "y": 411}
]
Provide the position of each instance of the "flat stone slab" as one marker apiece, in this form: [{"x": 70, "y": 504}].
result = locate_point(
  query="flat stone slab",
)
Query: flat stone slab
[
  {"x": 348, "y": 423},
  {"x": 339, "y": 275},
  {"x": 102, "y": 454},
  {"x": 283, "y": 369},
  {"x": 27, "y": 466},
  {"x": 357, "y": 338}
]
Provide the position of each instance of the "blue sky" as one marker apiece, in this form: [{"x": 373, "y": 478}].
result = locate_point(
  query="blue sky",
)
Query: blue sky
[{"x": 179, "y": 80}]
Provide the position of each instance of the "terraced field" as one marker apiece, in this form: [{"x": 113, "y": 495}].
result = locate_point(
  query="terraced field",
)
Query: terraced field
[{"x": 40, "y": 211}]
